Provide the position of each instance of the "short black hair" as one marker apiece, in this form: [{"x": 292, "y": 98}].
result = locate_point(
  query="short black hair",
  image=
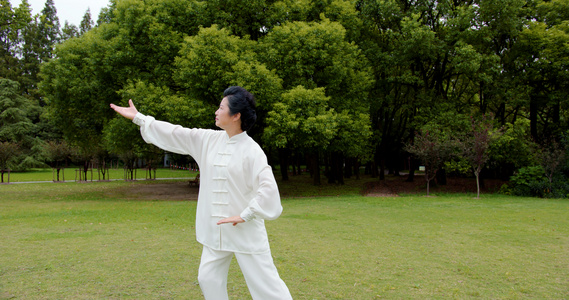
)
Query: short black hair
[{"x": 241, "y": 101}]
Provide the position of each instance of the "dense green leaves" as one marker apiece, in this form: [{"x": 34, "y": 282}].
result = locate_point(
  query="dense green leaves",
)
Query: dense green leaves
[
  {"x": 302, "y": 120},
  {"x": 339, "y": 78},
  {"x": 16, "y": 114}
]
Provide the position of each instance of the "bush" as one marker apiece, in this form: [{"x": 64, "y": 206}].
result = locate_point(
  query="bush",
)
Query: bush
[
  {"x": 529, "y": 181},
  {"x": 532, "y": 182},
  {"x": 559, "y": 187}
]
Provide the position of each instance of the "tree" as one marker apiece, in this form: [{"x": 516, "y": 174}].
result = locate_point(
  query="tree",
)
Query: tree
[
  {"x": 552, "y": 157},
  {"x": 213, "y": 60},
  {"x": 86, "y": 23},
  {"x": 317, "y": 55},
  {"x": 513, "y": 149},
  {"x": 242, "y": 19},
  {"x": 56, "y": 154},
  {"x": 302, "y": 120},
  {"x": 475, "y": 146},
  {"x": 8, "y": 156},
  {"x": 433, "y": 150},
  {"x": 49, "y": 32},
  {"x": 435, "y": 56},
  {"x": 123, "y": 139},
  {"x": 9, "y": 34},
  {"x": 15, "y": 25},
  {"x": 388, "y": 67},
  {"x": 95, "y": 69},
  {"x": 69, "y": 31},
  {"x": 206, "y": 59},
  {"x": 15, "y": 123}
]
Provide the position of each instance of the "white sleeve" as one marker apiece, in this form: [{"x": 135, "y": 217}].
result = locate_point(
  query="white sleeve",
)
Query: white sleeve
[
  {"x": 267, "y": 202},
  {"x": 172, "y": 138}
]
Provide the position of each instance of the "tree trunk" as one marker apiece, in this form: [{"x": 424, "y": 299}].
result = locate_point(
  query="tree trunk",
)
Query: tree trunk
[
  {"x": 533, "y": 106},
  {"x": 441, "y": 177},
  {"x": 411, "y": 176},
  {"x": 349, "y": 167},
  {"x": 477, "y": 174},
  {"x": 335, "y": 174},
  {"x": 382, "y": 169},
  {"x": 315, "y": 168},
  {"x": 338, "y": 162},
  {"x": 357, "y": 168},
  {"x": 283, "y": 161},
  {"x": 295, "y": 171},
  {"x": 85, "y": 169}
]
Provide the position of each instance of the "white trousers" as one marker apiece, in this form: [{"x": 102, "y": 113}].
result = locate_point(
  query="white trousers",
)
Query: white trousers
[{"x": 259, "y": 270}]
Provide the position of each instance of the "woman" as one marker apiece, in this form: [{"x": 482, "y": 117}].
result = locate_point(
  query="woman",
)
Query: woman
[{"x": 237, "y": 193}]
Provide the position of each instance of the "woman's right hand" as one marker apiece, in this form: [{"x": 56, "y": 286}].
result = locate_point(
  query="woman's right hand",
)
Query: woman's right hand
[{"x": 127, "y": 112}]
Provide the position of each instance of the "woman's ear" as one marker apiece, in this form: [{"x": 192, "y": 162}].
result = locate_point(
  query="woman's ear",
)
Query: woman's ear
[{"x": 236, "y": 117}]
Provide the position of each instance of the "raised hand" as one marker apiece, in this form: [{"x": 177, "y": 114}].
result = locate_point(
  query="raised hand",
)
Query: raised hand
[{"x": 127, "y": 112}]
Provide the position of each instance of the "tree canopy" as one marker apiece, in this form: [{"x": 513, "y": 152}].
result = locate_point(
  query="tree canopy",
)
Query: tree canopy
[{"x": 343, "y": 79}]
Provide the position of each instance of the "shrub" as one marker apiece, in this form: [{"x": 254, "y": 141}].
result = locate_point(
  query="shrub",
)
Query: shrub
[
  {"x": 559, "y": 187},
  {"x": 532, "y": 182}
]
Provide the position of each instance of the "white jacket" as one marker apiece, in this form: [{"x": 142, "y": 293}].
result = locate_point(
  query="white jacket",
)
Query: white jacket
[{"x": 235, "y": 179}]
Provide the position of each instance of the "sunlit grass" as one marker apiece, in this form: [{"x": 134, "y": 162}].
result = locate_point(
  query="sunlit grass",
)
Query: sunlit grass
[{"x": 87, "y": 241}]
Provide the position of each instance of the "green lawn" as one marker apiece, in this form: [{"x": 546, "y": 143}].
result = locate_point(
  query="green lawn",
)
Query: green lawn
[{"x": 84, "y": 241}]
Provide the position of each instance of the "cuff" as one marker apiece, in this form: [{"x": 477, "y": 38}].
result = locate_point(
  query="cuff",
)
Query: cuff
[
  {"x": 138, "y": 119},
  {"x": 247, "y": 215}
]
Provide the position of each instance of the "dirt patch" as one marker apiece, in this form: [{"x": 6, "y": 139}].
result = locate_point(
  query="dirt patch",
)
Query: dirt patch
[
  {"x": 390, "y": 187},
  {"x": 394, "y": 186},
  {"x": 163, "y": 191}
]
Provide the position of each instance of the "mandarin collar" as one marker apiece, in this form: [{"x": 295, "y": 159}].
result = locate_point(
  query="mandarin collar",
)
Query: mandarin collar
[{"x": 238, "y": 137}]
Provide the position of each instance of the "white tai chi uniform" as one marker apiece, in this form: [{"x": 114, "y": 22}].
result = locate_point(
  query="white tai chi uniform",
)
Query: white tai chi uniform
[{"x": 235, "y": 179}]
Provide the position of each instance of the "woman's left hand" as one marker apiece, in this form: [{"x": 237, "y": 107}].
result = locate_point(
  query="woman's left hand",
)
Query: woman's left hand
[{"x": 235, "y": 220}]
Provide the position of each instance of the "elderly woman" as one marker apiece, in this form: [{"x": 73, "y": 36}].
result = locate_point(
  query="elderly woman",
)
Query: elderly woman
[{"x": 237, "y": 193}]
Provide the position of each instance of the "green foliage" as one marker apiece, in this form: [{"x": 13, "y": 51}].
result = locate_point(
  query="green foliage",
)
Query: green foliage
[
  {"x": 552, "y": 157},
  {"x": 242, "y": 19},
  {"x": 446, "y": 123},
  {"x": 354, "y": 135},
  {"x": 123, "y": 139},
  {"x": 8, "y": 155},
  {"x": 317, "y": 54},
  {"x": 458, "y": 167},
  {"x": 514, "y": 146},
  {"x": 303, "y": 120},
  {"x": 388, "y": 68},
  {"x": 545, "y": 179},
  {"x": 86, "y": 23},
  {"x": 56, "y": 154},
  {"x": 475, "y": 143},
  {"x": 16, "y": 112},
  {"x": 433, "y": 149},
  {"x": 213, "y": 60},
  {"x": 76, "y": 90},
  {"x": 164, "y": 104},
  {"x": 530, "y": 181}
]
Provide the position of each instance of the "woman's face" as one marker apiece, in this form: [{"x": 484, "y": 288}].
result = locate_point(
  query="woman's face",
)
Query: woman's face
[{"x": 222, "y": 117}]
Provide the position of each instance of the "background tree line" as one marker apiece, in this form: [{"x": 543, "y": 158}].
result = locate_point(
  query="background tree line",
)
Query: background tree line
[
  {"x": 27, "y": 138},
  {"x": 339, "y": 83}
]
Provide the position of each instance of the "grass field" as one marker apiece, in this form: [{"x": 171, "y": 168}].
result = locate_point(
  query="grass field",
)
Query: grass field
[{"x": 87, "y": 241}]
